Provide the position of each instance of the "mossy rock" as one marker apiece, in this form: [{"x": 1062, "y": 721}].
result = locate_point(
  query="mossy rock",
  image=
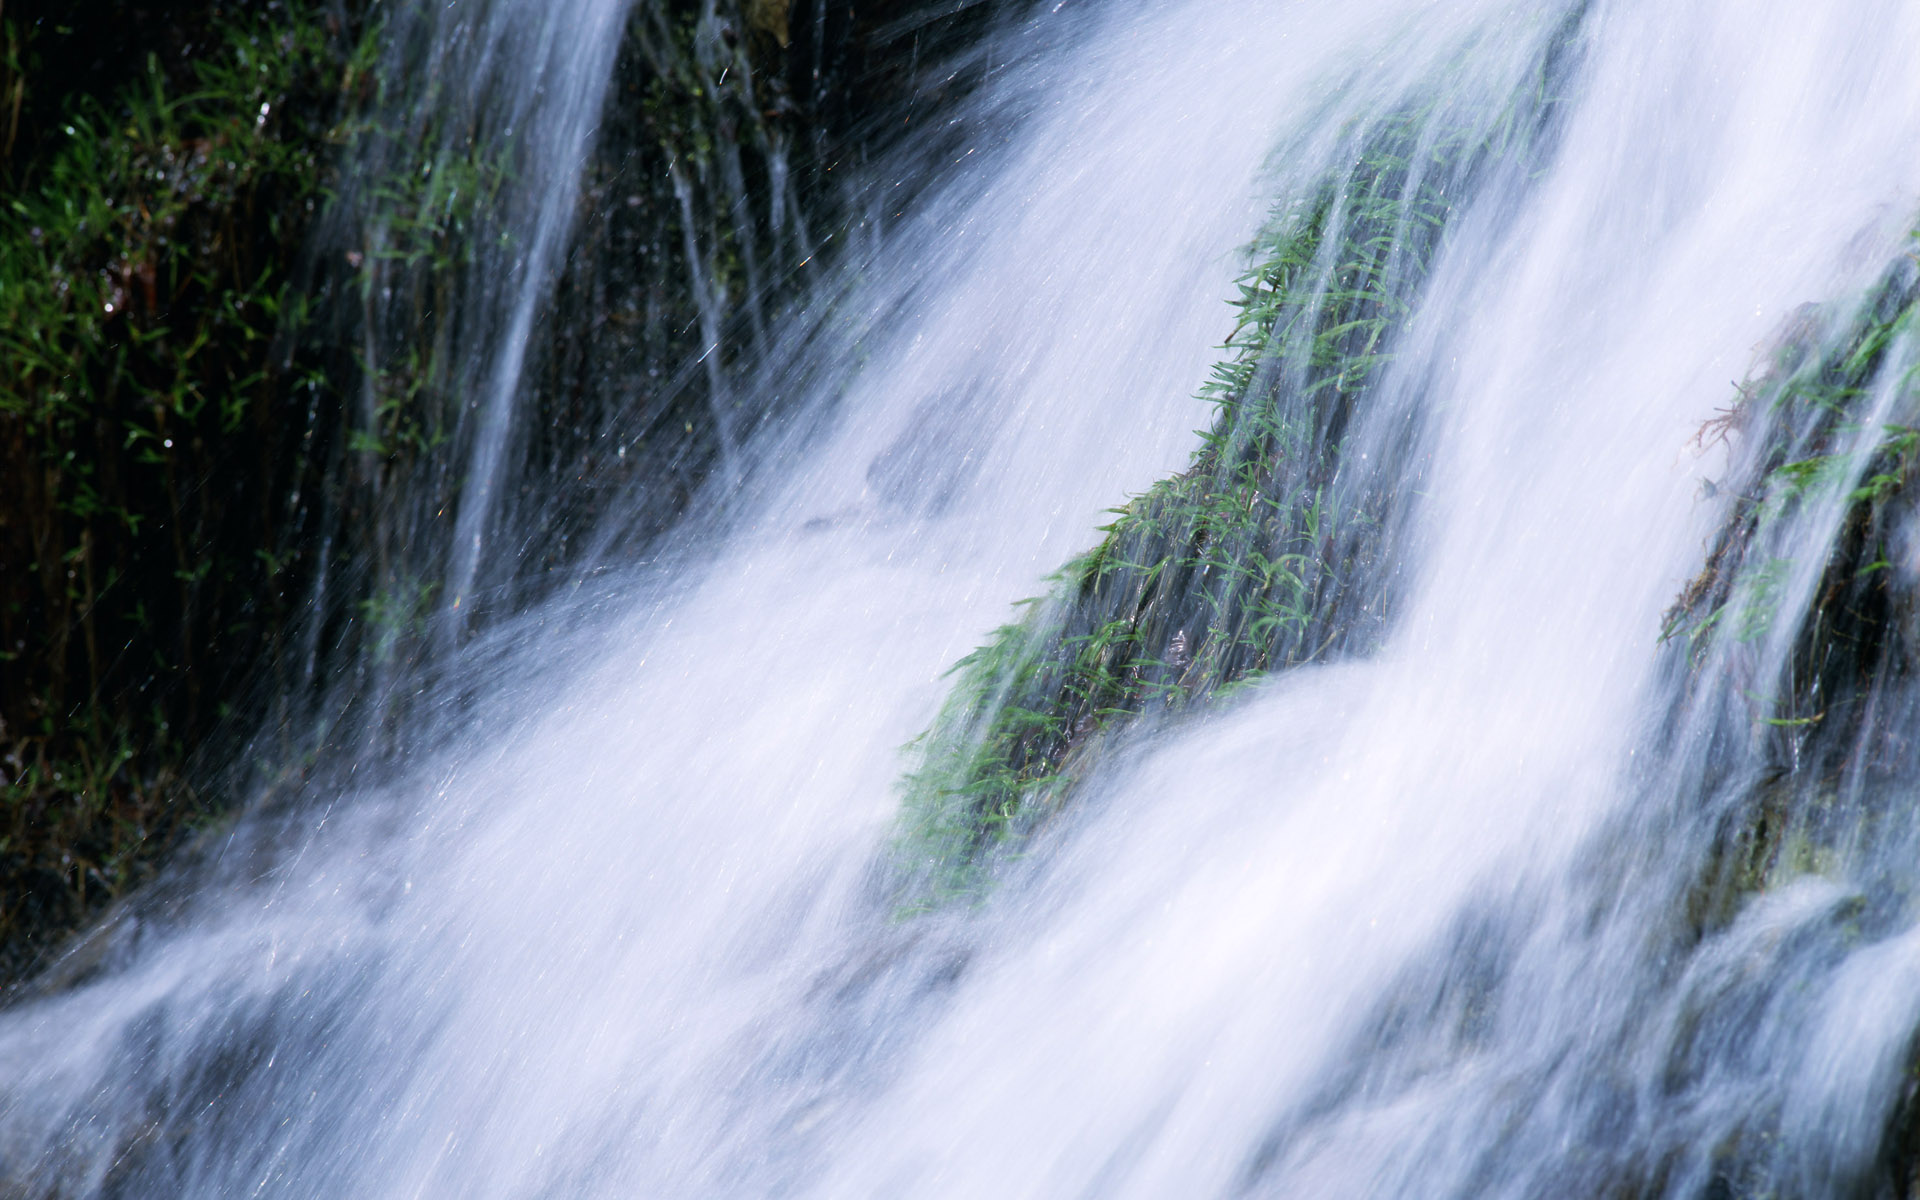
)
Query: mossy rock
[
  {"x": 1275, "y": 548},
  {"x": 1810, "y": 678}
]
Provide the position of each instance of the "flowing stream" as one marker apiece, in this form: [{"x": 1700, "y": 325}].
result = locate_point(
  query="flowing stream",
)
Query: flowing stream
[{"x": 1397, "y": 925}]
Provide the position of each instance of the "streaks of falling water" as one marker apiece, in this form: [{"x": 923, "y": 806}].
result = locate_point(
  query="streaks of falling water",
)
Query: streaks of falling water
[
  {"x": 625, "y": 942},
  {"x": 558, "y": 102},
  {"x": 517, "y": 86}
]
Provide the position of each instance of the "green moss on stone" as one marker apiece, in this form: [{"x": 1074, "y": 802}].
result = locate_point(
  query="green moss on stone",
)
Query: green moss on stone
[
  {"x": 1798, "y": 669},
  {"x": 1272, "y": 550}
]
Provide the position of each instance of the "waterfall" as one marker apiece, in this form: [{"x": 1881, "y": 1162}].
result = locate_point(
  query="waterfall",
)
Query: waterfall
[
  {"x": 1434, "y": 916},
  {"x": 462, "y": 178},
  {"x": 530, "y": 78},
  {"x": 568, "y": 66}
]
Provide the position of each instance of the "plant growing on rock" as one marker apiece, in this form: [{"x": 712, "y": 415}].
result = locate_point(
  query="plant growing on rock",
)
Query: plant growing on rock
[
  {"x": 1801, "y": 624},
  {"x": 1275, "y": 547}
]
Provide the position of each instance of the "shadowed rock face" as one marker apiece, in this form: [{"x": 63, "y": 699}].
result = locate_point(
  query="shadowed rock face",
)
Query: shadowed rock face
[
  {"x": 735, "y": 165},
  {"x": 746, "y": 149},
  {"x": 276, "y": 570}
]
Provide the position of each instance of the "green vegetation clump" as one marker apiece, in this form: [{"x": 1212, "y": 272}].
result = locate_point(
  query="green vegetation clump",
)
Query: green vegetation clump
[
  {"x": 1274, "y": 548},
  {"x": 1812, "y": 673},
  {"x": 1797, "y": 645},
  {"x": 1814, "y": 385},
  {"x": 153, "y": 429}
]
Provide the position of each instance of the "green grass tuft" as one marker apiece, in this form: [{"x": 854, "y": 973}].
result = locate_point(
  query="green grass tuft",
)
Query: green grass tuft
[{"x": 1269, "y": 552}]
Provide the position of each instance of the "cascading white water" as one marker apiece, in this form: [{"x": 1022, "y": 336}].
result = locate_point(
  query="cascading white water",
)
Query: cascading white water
[{"x": 1362, "y": 934}]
